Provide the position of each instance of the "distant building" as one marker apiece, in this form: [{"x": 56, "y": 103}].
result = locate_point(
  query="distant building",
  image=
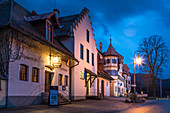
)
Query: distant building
[
  {"x": 103, "y": 79},
  {"x": 114, "y": 67},
  {"x": 127, "y": 82}
]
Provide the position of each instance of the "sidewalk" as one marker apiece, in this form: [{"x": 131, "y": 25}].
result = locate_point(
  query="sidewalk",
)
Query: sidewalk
[{"x": 109, "y": 104}]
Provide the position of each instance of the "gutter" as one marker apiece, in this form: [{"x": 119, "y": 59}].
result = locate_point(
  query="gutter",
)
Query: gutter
[{"x": 70, "y": 77}]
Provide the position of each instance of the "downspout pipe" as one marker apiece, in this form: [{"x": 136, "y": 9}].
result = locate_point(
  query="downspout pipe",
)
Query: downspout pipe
[{"x": 70, "y": 77}]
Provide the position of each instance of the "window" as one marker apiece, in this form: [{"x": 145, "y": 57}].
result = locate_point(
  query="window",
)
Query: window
[
  {"x": 114, "y": 61},
  {"x": 35, "y": 74},
  {"x": 92, "y": 59},
  {"x": 105, "y": 61},
  {"x": 108, "y": 61},
  {"x": 48, "y": 32},
  {"x": 81, "y": 75},
  {"x": 66, "y": 80},
  {"x": 81, "y": 51},
  {"x": 23, "y": 72},
  {"x": 87, "y": 55},
  {"x": 60, "y": 79},
  {"x": 87, "y": 35},
  {"x": 107, "y": 83}
]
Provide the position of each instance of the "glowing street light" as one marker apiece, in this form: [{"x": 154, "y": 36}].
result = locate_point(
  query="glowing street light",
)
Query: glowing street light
[{"x": 137, "y": 61}]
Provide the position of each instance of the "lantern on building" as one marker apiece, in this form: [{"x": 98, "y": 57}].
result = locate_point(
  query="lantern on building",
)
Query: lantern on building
[{"x": 56, "y": 62}]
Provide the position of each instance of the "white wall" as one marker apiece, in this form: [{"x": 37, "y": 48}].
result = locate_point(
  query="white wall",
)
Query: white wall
[
  {"x": 3, "y": 93},
  {"x": 80, "y": 38}
]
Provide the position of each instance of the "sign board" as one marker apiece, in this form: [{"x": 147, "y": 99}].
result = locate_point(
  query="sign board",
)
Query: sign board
[
  {"x": 133, "y": 85},
  {"x": 53, "y": 95}
]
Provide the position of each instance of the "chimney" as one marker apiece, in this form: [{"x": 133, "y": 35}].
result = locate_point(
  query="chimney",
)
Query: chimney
[
  {"x": 57, "y": 12},
  {"x": 100, "y": 47}
]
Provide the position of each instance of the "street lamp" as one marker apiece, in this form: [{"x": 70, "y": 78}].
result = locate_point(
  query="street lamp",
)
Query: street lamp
[{"x": 138, "y": 61}]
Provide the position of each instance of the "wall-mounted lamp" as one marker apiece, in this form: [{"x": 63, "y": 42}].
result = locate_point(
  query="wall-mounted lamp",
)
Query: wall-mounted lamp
[{"x": 56, "y": 62}]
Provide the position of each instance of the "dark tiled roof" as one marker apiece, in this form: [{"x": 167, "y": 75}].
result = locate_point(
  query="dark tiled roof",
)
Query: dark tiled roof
[
  {"x": 65, "y": 23},
  {"x": 39, "y": 17},
  {"x": 5, "y": 9},
  {"x": 103, "y": 74},
  {"x": 15, "y": 18},
  {"x": 111, "y": 52}
]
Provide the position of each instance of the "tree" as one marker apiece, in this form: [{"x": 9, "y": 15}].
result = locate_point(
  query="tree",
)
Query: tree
[{"x": 155, "y": 53}]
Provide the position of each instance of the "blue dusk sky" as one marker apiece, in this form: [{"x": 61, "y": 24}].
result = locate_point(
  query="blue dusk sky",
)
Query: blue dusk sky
[{"x": 128, "y": 21}]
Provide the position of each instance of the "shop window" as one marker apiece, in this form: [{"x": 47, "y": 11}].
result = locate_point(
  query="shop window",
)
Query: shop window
[
  {"x": 60, "y": 77},
  {"x": 35, "y": 74},
  {"x": 66, "y": 80},
  {"x": 81, "y": 51},
  {"x": 23, "y": 72}
]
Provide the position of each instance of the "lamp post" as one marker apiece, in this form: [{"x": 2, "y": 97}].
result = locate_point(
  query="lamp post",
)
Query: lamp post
[{"x": 136, "y": 61}]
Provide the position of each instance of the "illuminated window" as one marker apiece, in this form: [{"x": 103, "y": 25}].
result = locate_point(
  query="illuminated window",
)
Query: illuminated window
[
  {"x": 87, "y": 35},
  {"x": 35, "y": 74},
  {"x": 66, "y": 80},
  {"x": 81, "y": 51},
  {"x": 48, "y": 32},
  {"x": 60, "y": 79},
  {"x": 92, "y": 59},
  {"x": 23, "y": 72}
]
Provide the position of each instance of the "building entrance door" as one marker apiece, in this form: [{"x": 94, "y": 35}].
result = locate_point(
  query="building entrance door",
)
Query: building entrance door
[
  {"x": 48, "y": 80},
  {"x": 102, "y": 87}
]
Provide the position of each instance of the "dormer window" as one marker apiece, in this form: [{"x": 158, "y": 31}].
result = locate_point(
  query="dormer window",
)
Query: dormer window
[{"x": 48, "y": 32}]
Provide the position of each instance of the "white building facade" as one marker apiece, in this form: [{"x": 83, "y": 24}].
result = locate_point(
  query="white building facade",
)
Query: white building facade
[{"x": 81, "y": 43}]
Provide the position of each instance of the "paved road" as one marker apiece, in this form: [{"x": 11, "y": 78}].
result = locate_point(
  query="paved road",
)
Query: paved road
[
  {"x": 108, "y": 105},
  {"x": 158, "y": 106}
]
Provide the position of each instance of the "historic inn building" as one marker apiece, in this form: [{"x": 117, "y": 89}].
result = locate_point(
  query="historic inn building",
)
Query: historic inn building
[{"x": 34, "y": 60}]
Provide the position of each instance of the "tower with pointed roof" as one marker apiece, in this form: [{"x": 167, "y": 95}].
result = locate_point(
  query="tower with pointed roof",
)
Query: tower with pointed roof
[{"x": 114, "y": 67}]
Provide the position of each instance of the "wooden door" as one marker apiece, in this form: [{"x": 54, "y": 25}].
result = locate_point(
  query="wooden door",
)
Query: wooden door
[
  {"x": 102, "y": 87},
  {"x": 48, "y": 80}
]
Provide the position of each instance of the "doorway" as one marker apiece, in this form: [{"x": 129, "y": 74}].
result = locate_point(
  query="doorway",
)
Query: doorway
[
  {"x": 48, "y": 80},
  {"x": 102, "y": 87}
]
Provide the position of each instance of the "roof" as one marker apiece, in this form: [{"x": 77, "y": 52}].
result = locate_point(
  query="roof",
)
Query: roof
[
  {"x": 13, "y": 15},
  {"x": 111, "y": 52},
  {"x": 39, "y": 17},
  {"x": 5, "y": 9},
  {"x": 125, "y": 69},
  {"x": 104, "y": 74},
  {"x": 67, "y": 21}
]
